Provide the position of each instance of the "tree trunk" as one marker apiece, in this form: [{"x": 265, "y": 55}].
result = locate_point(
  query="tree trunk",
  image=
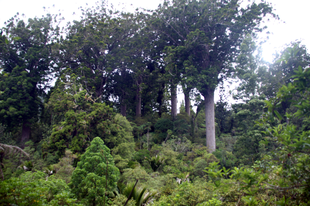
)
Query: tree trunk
[
  {"x": 174, "y": 100},
  {"x": 123, "y": 109},
  {"x": 148, "y": 138},
  {"x": 160, "y": 98},
  {"x": 26, "y": 130},
  {"x": 187, "y": 103},
  {"x": 100, "y": 88},
  {"x": 210, "y": 125},
  {"x": 193, "y": 127},
  {"x": 138, "y": 101}
]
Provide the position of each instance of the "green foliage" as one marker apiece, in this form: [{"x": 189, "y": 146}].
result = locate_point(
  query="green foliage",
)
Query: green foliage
[
  {"x": 141, "y": 155},
  {"x": 95, "y": 176},
  {"x": 35, "y": 189},
  {"x": 78, "y": 118},
  {"x": 64, "y": 169},
  {"x": 199, "y": 166},
  {"x": 139, "y": 195},
  {"x": 187, "y": 194},
  {"x": 162, "y": 184},
  {"x": 131, "y": 62},
  {"x": 281, "y": 176},
  {"x": 250, "y": 70},
  {"x": 124, "y": 147},
  {"x": 223, "y": 116},
  {"x": 203, "y": 39},
  {"x": 227, "y": 159},
  {"x": 120, "y": 200},
  {"x": 246, "y": 134},
  {"x": 155, "y": 162},
  {"x": 27, "y": 63},
  {"x": 162, "y": 127},
  {"x": 293, "y": 56},
  {"x": 294, "y": 141},
  {"x": 181, "y": 144},
  {"x": 200, "y": 163},
  {"x": 10, "y": 158},
  {"x": 131, "y": 175},
  {"x": 170, "y": 164}
]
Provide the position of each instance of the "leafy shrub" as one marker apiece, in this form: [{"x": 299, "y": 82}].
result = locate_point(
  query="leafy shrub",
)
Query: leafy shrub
[
  {"x": 187, "y": 194},
  {"x": 64, "y": 169},
  {"x": 131, "y": 175},
  {"x": 161, "y": 127},
  {"x": 34, "y": 188},
  {"x": 141, "y": 155}
]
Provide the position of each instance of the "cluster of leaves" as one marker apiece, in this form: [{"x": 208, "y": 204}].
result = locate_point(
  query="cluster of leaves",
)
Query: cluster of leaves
[
  {"x": 35, "y": 189},
  {"x": 77, "y": 118}
]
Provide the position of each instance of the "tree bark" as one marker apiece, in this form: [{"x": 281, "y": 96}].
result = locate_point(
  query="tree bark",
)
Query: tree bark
[
  {"x": 26, "y": 130},
  {"x": 100, "y": 88},
  {"x": 160, "y": 99},
  {"x": 187, "y": 103},
  {"x": 138, "y": 101},
  {"x": 174, "y": 100},
  {"x": 123, "y": 109},
  {"x": 210, "y": 125}
]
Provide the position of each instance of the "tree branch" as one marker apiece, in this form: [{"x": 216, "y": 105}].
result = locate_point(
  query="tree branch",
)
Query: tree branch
[
  {"x": 284, "y": 188},
  {"x": 13, "y": 148}
]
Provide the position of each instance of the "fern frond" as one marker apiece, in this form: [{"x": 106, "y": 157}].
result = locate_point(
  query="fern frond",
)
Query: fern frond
[{"x": 12, "y": 148}]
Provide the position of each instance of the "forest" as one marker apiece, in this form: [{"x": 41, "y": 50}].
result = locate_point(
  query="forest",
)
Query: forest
[{"x": 89, "y": 113}]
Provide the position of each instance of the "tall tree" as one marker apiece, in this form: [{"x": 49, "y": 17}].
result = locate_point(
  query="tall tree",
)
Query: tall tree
[
  {"x": 128, "y": 56},
  {"x": 213, "y": 30},
  {"x": 93, "y": 46},
  {"x": 27, "y": 66},
  {"x": 139, "y": 64},
  {"x": 174, "y": 60}
]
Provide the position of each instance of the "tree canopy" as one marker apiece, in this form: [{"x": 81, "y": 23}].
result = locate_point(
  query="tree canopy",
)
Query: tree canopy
[{"x": 27, "y": 63}]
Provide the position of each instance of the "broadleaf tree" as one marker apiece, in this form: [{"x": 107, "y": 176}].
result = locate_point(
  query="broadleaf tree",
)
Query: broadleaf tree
[
  {"x": 213, "y": 31},
  {"x": 27, "y": 65}
]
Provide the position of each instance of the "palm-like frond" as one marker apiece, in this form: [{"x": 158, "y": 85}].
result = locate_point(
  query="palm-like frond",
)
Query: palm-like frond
[
  {"x": 7, "y": 149},
  {"x": 138, "y": 194}
]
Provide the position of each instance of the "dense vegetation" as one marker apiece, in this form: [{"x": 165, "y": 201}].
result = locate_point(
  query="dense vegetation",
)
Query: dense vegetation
[{"x": 89, "y": 116}]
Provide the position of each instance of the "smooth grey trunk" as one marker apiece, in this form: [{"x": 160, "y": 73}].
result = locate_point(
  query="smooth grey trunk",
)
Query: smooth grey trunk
[
  {"x": 187, "y": 103},
  {"x": 138, "y": 101},
  {"x": 210, "y": 125},
  {"x": 174, "y": 100}
]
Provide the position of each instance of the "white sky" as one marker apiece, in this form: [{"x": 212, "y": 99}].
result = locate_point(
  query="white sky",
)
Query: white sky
[{"x": 295, "y": 14}]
